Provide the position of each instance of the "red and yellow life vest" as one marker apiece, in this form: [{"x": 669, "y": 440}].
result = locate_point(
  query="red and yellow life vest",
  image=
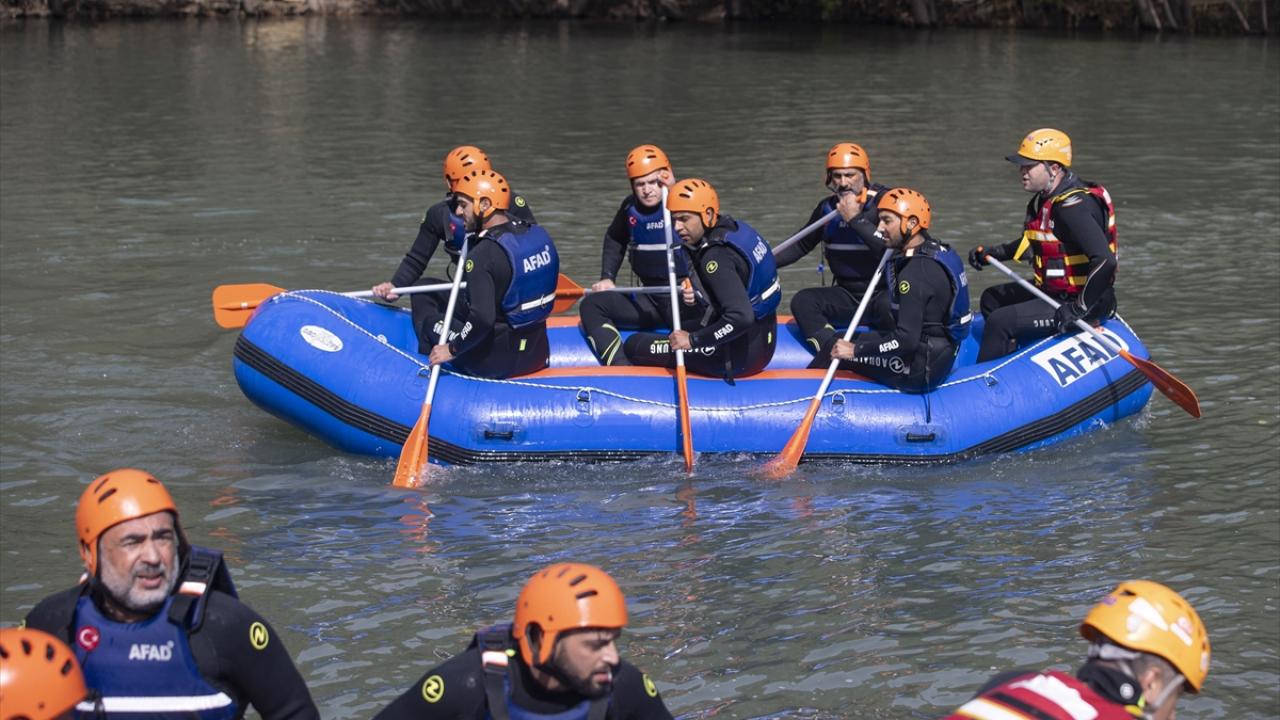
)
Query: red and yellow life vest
[
  {"x": 1048, "y": 694},
  {"x": 1057, "y": 269}
]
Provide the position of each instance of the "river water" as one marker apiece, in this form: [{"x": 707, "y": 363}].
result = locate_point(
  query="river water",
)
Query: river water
[{"x": 143, "y": 163}]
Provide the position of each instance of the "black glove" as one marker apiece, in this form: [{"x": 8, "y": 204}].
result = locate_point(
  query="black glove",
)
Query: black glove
[
  {"x": 1066, "y": 315},
  {"x": 977, "y": 257}
]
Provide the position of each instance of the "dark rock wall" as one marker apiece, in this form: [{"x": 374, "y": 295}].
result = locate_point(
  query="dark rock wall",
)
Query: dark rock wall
[{"x": 1214, "y": 16}]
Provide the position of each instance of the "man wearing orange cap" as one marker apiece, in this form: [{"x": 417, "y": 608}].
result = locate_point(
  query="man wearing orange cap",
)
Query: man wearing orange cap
[
  {"x": 850, "y": 250},
  {"x": 929, "y": 297},
  {"x": 638, "y": 232},
  {"x": 1070, "y": 229},
  {"x": 558, "y": 659},
  {"x": 1146, "y": 647},
  {"x": 734, "y": 271},
  {"x": 440, "y": 224},
  {"x": 40, "y": 678},
  {"x": 511, "y": 272},
  {"x": 156, "y": 625}
]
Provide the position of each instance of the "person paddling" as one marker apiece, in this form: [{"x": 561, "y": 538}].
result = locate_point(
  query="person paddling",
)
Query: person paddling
[
  {"x": 440, "y": 224},
  {"x": 558, "y": 659},
  {"x": 1070, "y": 229},
  {"x": 850, "y": 250},
  {"x": 511, "y": 272},
  {"x": 735, "y": 272},
  {"x": 639, "y": 233},
  {"x": 929, "y": 298}
]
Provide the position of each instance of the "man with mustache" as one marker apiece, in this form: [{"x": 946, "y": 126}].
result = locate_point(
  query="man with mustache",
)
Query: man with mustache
[
  {"x": 558, "y": 659},
  {"x": 733, "y": 269},
  {"x": 929, "y": 299},
  {"x": 849, "y": 249},
  {"x": 155, "y": 622}
]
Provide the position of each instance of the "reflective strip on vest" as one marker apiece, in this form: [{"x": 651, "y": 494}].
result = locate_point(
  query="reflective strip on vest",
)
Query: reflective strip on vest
[
  {"x": 159, "y": 703},
  {"x": 539, "y": 302},
  {"x": 981, "y": 709},
  {"x": 775, "y": 287},
  {"x": 652, "y": 247},
  {"x": 849, "y": 247}
]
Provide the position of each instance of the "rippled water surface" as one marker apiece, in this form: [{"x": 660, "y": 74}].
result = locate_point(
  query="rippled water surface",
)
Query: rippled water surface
[{"x": 141, "y": 164}]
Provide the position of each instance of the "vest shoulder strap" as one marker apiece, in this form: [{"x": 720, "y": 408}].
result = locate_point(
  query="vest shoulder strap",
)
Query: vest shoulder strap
[
  {"x": 205, "y": 571},
  {"x": 56, "y": 614},
  {"x": 494, "y": 644}
]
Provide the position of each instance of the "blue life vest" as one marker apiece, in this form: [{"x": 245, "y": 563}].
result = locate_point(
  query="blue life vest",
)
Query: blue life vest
[
  {"x": 763, "y": 286},
  {"x": 849, "y": 258},
  {"x": 648, "y": 247},
  {"x": 146, "y": 670},
  {"x": 535, "y": 270},
  {"x": 959, "y": 318},
  {"x": 497, "y": 652},
  {"x": 457, "y": 234}
]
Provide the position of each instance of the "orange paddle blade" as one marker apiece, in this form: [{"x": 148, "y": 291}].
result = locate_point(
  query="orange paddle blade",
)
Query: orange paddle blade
[
  {"x": 234, "y": 304},
  {"x": 686, "y": 432},
  {"x": 411, "y": 472},
  {"x": 786, "y": 461},
  {"x": 1172, "y": 387},
  {"x": 567, "y": 293}
]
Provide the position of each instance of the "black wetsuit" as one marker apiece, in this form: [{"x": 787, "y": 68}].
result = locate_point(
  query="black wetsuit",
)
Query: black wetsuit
[
  {"x": 223, "y": 649},
  {"x": 483, "y": 344},
  {"x": 1014, "y": 316},
  {"x": 728, "y": 341},
  {"x": 437, "y": 226},
  {"x": 819, "y": 311},
  {"x": 918, "y": 352},
  {"x": 604, "y": 315},
  {"x": 458, "y": 689}
]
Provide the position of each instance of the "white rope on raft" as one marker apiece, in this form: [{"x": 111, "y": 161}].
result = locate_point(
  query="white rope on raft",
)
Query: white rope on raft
[{"x": 422, "y": 366}]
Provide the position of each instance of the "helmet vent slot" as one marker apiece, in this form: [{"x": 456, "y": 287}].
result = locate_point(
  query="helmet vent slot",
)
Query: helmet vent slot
[{"x": 107, "y": 494}]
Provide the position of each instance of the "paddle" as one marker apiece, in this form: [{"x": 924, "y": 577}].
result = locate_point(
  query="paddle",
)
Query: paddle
[
  {"x": 805, "y": 231},
  {"x": 569, "y": 292},
  {"x": 412, "y": 468},
  {"x": 682, "y": 379},
  {"x": 786, "y": 461},
  {"x": 1165, "y": 382},
  {"x": 233, "y": 305}
]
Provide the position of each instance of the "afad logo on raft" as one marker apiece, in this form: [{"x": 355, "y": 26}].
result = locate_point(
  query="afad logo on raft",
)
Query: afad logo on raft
[{"x": 1069, "y": 360}]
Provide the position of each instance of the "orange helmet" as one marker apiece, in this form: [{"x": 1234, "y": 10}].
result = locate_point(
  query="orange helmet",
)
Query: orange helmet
[
  {"x": 485, "y": 184},
  {"x": 849, "y": 155},
  {"x": 113, "y": 498},
  {"x": 462, "y": 160},
  {"x": 696, "y": 196},
  {"x": 1043, "y": 145},
  {"x": 645, "y": 159},
  {"x": 907, "y": 203},
  {"x": 564, "y": 597},
  {"x": 40, "y": 678},
  {"x": 1149, "y": 617}
]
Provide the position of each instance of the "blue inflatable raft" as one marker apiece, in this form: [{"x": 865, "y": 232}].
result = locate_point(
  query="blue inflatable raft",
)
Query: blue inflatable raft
[{"x": 348, "y": 371}]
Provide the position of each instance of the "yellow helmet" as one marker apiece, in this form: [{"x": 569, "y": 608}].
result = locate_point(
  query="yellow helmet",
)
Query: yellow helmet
[
  {"x": 1149, "y": 617},
  {"x": 1043, "y": 145}
]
